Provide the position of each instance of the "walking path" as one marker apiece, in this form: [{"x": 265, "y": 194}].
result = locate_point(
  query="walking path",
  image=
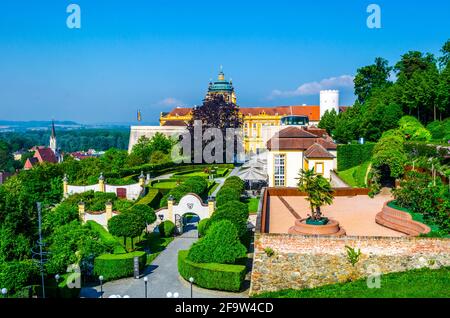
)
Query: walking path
[
  {"x": 162, "y": 277},
  {"x": 220, "y": 181},
  {"x": 337, "y": 182}
]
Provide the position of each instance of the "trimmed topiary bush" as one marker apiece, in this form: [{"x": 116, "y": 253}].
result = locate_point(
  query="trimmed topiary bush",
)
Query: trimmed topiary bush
[
  {"x": 220, "y": 245},
  {"x": 166, "y": 228},
  {"x": 106, "y": 237},
  {"x": 234, "y": 211},
  {"x": 112, "y": 266},
  {"x": 212, "y": 275},
  {"x": 203, "y": 226},
  {"x": 235, "y": 182},
  {"x": 227, "y": 194}
]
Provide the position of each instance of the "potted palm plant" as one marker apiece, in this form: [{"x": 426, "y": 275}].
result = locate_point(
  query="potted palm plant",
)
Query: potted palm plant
[{"x": 319, "y": 193}]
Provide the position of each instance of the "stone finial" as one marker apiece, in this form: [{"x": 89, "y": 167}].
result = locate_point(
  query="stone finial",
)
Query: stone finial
[
  {"x": 65, "y": 179},
  {"x": 170, "y": 198},
  {"x": 142, "y": 176},
  {"x": 101, "y": 178}
]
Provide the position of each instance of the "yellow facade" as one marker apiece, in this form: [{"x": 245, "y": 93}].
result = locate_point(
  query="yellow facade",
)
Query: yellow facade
[{"x": 252, "y": 127}]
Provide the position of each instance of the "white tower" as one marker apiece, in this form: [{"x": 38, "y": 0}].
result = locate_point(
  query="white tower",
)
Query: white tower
[{"x": 329, "y": 100}]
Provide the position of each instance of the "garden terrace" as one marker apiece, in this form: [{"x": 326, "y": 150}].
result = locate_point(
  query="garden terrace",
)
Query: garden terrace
[{"x": 352, "y": 208}]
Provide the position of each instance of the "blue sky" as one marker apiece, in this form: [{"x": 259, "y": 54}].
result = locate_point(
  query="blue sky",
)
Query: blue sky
[{"x": 155, "y": 55}]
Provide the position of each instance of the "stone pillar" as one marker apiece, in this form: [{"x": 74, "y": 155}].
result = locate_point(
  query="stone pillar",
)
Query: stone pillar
[
  {"x": 142, "y": 179},
  {"x": 101, "y": 182},
  {"x": 81, "y": 211},
  {"x": 211, "y": 206},
  {"x": 109, "y": 208},
  {"x": 170, "y": 202},
  {"x": 65, "y": 186}
]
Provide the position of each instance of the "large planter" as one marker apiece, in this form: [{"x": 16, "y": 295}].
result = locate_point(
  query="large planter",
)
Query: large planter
[{"x": 332, "y": 228}]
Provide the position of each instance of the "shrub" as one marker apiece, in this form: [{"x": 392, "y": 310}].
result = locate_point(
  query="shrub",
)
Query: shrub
[
  {"x": 235, "y": 182},
  {"x": 166, "y": 228},
  {"x": 234, "y": 211},
  {"x": 412, "y": 129},
  {"x": 227, "y": 194},
  {"x": 152, "y": 198},
  {"x": 212, "y": 275},
  {"x": 17, "y": 274},
  {"x": 112, "y": 266},
  {"x": 220, "y": 245},
  {"x": 349, "y": 156},
  {"x": 107, "y": 238},
  {"x": 203, "y": 226}
]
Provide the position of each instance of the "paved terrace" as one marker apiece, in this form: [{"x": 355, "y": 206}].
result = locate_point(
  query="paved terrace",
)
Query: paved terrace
[{"x": 355, "y": 214}]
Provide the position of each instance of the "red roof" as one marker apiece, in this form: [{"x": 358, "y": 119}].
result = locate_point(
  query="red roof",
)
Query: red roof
[
  {"x": 45, "y": 155},
  {"x": 317, "y": 151},
  {"x": 291, "y": 139},
  {"x": 313, "y": 112},
  {"x": 175, "y": 123}
]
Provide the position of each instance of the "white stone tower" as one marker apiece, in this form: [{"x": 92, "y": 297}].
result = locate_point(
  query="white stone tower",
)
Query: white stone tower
[{"x": 329, "y": 100}]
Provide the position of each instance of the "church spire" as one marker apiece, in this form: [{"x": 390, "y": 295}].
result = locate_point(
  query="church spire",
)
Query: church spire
[{"x": 53, "y": 138}]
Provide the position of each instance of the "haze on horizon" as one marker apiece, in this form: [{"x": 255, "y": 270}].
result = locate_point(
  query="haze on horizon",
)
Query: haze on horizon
[{"x": 155, "y": 55}]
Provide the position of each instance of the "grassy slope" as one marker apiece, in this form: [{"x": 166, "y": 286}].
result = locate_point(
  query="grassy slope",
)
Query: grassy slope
[
  {"x": 423, "y": 283},
  {"x": 355, "y": 176}
]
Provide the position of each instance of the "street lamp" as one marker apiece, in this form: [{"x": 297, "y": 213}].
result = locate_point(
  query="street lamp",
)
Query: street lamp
[
  {"x": 57, "y": 277},
  {"x": 101, "y": 285},
  {"x": 191, "y": 280},
  {"x": 4, "y": 292},
  {"x": 174, "y": 295},
  {"x": 145, "y": 282}
]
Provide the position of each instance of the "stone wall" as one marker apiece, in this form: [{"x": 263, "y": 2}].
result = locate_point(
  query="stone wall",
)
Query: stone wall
[{"x": 306, "y": 262}]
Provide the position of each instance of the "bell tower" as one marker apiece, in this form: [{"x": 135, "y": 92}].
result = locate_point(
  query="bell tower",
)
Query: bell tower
[{"x": 53, "y": 138}]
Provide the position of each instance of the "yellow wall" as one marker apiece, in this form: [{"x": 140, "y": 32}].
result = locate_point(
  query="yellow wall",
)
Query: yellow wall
[{"x": 252, "y": 126}]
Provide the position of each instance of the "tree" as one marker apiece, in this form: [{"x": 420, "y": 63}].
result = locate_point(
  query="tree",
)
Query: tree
[
  {"x": 328, "y": 121},
  {"x": 227, "y": 194},
  {"x": 220, "y": 245},
  {"x": 127, "y": 224},
  {"x": 389, "y": 151},
  {"x": 348, "y": 125},
  {"x": 445, "y": 58},
  {"x": 216, "y": 113},
  {"x": 114, "y": 160},
  {"x": 370, "y": 77},
  {"x": 318, "y": 189},
  {"x": 6, "y": 159},
  {"x": 145, "y": 212}
]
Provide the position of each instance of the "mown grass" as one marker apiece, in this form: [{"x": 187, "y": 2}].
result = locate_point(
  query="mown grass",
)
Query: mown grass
[
  {"x": 252, "y": 205},
  {"x": 355, "y": 177},
  {"x": 421, "y": 283}
]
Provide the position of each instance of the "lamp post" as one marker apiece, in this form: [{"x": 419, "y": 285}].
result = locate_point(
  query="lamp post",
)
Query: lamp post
[
  {"x": 101, "y": 285},
  {"x": 191, "y": 280},
  {"x": 57, "y": 277},
  {"x": 174, "y": 295},
  {"x": 145, "y": 283},
  {"x": 5, "y": 292}
]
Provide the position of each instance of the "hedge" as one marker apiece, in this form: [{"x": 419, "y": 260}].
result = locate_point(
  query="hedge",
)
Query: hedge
[
  {"x": 212, "y": 275},
  {"x": 107, "y": 238},
  {"x": 112, "y": 266},
  {"x": 152, "y": 198},
  {"x": 349, "y": 156},
  {"x": 166, "y": 228}
]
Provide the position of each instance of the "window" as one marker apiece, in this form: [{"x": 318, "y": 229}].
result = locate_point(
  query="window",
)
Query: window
[
  {"x": 318, "y": 167},
  {"x": 279, "y": 170}
]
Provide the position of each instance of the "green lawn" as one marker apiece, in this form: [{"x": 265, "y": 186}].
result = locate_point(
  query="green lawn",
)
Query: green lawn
[
  {"x": 165, "y": 184},
  {"x": 252, "y": 205},
  {"x": 422, "y": 283},
  {"x": 355, "y": 176}
]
